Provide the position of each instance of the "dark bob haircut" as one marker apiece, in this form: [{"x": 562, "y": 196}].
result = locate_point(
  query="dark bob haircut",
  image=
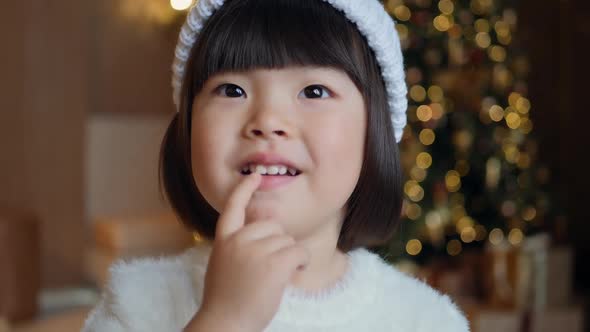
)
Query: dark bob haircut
[{"x": 271, "y": 34}]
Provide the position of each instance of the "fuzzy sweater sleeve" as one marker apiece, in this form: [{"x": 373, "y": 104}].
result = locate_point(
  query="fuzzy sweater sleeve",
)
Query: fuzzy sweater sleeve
[
  {"x": 147, "y": 295},
  {"x": 444, "y": 316},
  {"x": 103, "y": 319}
]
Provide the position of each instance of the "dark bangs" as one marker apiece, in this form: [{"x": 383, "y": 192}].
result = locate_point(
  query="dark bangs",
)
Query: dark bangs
[{"x": 273, "y": 34}]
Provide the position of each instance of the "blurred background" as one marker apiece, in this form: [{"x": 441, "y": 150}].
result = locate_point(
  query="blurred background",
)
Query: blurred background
[{"x": 494, "y": 155}]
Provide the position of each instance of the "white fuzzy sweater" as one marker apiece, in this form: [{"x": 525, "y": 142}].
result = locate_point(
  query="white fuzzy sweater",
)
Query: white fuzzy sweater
[{"x": 162, "y": 295}]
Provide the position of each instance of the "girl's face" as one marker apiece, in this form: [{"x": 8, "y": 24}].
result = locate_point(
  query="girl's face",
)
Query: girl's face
[{"x": 312, "y": 119}]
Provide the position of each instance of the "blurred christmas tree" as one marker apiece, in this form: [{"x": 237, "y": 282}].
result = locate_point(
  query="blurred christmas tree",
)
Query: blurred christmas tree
[{"x": 470, "y": 161}]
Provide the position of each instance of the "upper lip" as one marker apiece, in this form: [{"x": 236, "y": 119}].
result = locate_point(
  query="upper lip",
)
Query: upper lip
[{"x": 267, "y": 158}]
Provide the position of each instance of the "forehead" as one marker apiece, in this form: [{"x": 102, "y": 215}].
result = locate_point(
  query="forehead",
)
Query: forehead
[
  {"x": 273, "y": 34},
  {"x": 288, "y": 71}
]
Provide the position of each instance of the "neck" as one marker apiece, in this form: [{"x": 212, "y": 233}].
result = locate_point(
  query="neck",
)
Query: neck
[{"x": 327, "y": 264}]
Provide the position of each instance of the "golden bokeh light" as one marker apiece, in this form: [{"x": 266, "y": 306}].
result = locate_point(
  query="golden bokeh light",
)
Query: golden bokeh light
[
  {"x": 496, "y": 236},
  {"x": 418, "y": 93},
  {"x": 468, "y": 234},
  {"x": 424, "y": 160},
  {"x": 402, "y": 31},
  {"x": 496, "y": 113},
  {"x": 427, "y": 136},
  {"x": 482, "y": 25},
  {"x": 181, "y": 4},
  {"x": 434, "y": 220},
  {"x": 502, "y": 28},
  {"x": 453, "y": 181},
  {"x": 446, "y": 7},
  {"x": 464, "y": 222},
  {"x": 454, "y": 247},
  {"x": 442, "y": 23},
  {"x": 505, "y": 40},
  {"x": 523, "y": 105},
  {"x": 414, "y": 247},
  {"x": 515, "y": 236},
  {"x": 418, "y": 174},
  {"x": 413, "y": 211},
  {"x": 402, "y": 13},
  {"x": 390, "y": 5},
  {"x": 529, "y": 213},
  {"x": 435, "y": 93},
  {"x": 513, "y": 98},
  {"x": 497, "y": 53},
  {"x": 513, "y": 120},
  {"x": 481, "y": 7},
  {"x": 409, "y": 185},
  {"x": 463, "y": 139},
  {"x": 414, "y": 191},
  {"x": 424, "y": 113},
  {"x": 483, "y": 40},
  {"x": 437, "y": 111}
]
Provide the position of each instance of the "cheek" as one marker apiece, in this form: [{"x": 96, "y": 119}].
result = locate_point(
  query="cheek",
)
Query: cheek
[
  {"x": 207, "y": 158},
  {"x": 338, "y": 151}
]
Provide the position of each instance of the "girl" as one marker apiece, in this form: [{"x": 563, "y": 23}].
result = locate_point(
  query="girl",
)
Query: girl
[{"x": 283, "y": 156}]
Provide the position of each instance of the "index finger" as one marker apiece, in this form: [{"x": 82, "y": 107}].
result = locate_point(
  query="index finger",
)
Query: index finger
[{"x": 232, "y": 218}]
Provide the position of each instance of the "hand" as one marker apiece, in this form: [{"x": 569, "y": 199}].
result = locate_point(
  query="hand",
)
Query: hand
[{"x": 249, "y": 267}]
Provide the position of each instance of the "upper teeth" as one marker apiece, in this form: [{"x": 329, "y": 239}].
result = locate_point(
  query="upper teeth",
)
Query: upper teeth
[{"x": 270, "y": 169}]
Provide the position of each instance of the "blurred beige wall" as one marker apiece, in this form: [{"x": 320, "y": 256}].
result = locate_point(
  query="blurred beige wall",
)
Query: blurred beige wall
[
  {"x": 14, "y": 190},
  {"x": 45, "y": 91},
  {"x": 69, "y": 69},
  {"x": 122, "y": 164}
]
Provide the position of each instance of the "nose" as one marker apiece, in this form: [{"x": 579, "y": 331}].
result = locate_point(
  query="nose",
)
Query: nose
[{"x": 269, "y": 123}]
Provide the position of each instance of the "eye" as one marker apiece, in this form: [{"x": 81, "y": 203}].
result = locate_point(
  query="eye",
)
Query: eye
[
  {"x": 316, "y": 91},
  {"x": 230, "y": 90}
]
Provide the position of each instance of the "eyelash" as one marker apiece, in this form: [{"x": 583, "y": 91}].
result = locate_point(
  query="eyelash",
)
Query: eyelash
[{"x": 220, "y": 88}]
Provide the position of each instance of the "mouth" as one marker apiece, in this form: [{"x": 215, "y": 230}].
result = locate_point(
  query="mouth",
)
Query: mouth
[{"x": 269, "y": 170}]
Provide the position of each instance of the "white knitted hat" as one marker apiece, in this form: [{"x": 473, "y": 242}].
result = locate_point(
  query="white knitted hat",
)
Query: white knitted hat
[{"x": 371, "y": 20}]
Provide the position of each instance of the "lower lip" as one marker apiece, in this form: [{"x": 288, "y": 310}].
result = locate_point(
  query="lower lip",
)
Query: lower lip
[{"x": 270, "y": 182}]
